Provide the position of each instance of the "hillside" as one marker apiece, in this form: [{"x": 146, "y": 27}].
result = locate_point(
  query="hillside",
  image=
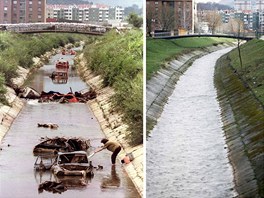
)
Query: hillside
[{"x": 212, "y": 6}]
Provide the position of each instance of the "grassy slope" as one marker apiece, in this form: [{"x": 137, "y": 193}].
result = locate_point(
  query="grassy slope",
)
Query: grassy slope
[
  {"x": 160, "y": 51},
  {"x": 19, "y": 49},
  {"x": 118, "y": 59},
  {"x": 253, "y": 66}
]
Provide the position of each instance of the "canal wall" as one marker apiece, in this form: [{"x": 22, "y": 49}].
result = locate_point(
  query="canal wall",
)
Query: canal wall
[
  {"x": 8, "y": 113},
  {"x": 243, "y": 123},
  {"x": 162, "y": 84},
  {"x": 111, "y": 123}
]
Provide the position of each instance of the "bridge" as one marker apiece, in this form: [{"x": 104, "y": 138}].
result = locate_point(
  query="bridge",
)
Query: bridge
[
  {"x": 247, "y": 38},
  {"x": 79, "y": 28}
]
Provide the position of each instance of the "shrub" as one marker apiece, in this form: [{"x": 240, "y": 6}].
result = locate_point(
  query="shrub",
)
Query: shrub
[{"x": 118, "y": 59}]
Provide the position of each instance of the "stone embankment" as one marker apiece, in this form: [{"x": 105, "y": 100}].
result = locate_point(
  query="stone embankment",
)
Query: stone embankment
[
  {"x": 243, "y": 120},
  {"x": 9, "y": 113},
  {"x": 162, "y": 84},
  {"x": 112, "y": 125}
]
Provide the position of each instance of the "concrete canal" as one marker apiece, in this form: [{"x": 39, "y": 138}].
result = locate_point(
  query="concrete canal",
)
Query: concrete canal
[
  {"x": 186, "y": 154},
  {"x": 18, "y": 178}
]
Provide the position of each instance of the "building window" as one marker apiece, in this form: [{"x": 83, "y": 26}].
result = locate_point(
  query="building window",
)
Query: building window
[
  {"x": 14, "y": 2},
  {"x": 39, "y": 2},
  {"x": 30, "y": 2},
  {"x": 156, "y": 2},
  {"x": 5, "y": 8},
  {"x": 39, "y": 16}
]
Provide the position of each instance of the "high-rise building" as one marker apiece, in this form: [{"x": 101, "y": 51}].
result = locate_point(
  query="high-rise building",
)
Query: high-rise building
[
  {"x": 22, "y": 11},
  {"x": 259, "y": 5},
  {"x": 167, "y": 15},
  {"x": 85, "y": 13},
  {"x": 243, "y": 5}
]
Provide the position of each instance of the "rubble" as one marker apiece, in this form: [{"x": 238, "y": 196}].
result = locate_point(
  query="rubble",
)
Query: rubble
[
  {"x": 51, "y": 186},
  {"x": 50, "y": 125},
  {"x": 53, "y": 96},
  {"x": 61, "y": 144}
]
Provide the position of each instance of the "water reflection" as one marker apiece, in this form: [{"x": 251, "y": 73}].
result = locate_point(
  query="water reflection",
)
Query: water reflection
[{"x": 112, "y": 181}]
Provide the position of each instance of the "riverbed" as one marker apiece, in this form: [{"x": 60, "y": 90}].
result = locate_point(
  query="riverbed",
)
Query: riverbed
[
  {"x": 18, "y": 177},
  {"x": 186, "y": 153}
]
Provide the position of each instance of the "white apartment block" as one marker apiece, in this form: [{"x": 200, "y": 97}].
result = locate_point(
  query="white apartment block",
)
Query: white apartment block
[
  {"x": 261, "y": 21},
  {"x": 85, "y": 13},
  {"x": 259, "y": 5},
  {"x": 243, "y": 5}
]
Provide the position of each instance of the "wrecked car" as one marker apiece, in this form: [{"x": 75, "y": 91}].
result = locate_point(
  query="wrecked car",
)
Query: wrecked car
[
  {"x": 59, "y": 76},
  {"x": 72, "y": 164},
  {"x": 62, "y": 64},
  {"x": 86, "y": 94},
  {"x": 28, "y": 92},
  {"x": 61, "y": 144},
  {"x": 44, "y": 163}
]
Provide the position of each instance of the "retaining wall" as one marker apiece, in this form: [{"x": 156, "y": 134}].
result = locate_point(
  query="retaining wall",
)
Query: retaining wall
[
  {"x": 162, "y": 84},
  {"x": 9, "y": 113},
  {"x": 112, "y": 125},
  {"x": 243, "y": 120}
]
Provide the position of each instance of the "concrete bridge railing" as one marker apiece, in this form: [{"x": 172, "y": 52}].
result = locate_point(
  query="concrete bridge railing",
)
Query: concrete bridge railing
[{"x": 54, "y": 27}]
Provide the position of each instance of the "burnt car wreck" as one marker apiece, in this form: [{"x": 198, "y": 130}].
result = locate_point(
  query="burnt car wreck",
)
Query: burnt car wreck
[
  {"x": 61, "y": 144},
  {"x": 53, "y": 96},
  {"x": 72, "y": 164},
  {"x": 69, "y": 169}
]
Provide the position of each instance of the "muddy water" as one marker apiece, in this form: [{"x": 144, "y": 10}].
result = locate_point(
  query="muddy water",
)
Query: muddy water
[
  {"x": 17, "y": 175},
  {"x": 186, "y": 155}
]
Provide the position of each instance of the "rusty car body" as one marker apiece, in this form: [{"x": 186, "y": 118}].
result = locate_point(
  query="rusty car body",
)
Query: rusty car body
[
  {"x": 72, "y": 164},
  {"x": 61, "y": 144}
]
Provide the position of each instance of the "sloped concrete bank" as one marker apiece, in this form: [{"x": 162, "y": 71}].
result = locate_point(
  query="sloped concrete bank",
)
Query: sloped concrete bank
[
  {"x": 243, "y": 120},
  {"x": 9, "y": 113},
  {"x": 111, "y": 123},
  {"x": 162, "y": 84}
]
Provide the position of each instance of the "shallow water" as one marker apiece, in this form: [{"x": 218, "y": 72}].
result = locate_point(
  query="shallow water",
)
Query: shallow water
[
  {"x": 17, "y": 175},
  {"x": 186, "y": 155}
]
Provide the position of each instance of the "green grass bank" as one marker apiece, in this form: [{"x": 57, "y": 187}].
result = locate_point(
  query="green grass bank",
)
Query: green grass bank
[
  {"x": 19, "y": 49},
  {"x": 118, "y": 59},
  {"x": 160, "y": 51},
  {"x": 240, "y": 93},
  {"x": 252, "y": 70}
]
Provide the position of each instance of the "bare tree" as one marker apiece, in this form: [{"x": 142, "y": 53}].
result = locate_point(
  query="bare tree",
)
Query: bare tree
[
  {"x": 150, "y": 19},
  {"x": 237, "y": 27},
  {"x": 167, "y": 18},
  {"x": 214, "y": 20}
]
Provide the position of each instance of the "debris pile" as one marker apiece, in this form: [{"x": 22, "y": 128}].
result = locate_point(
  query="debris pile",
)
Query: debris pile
[
  {"x": 51, "y": 186},
  {"x": 53, "y": 96},
  {"x": 61, "y": 144}
]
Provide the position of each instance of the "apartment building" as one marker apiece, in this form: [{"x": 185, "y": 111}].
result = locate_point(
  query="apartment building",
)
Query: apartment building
[
  {"x": 167, "y": 15},
  {"x": 259, "y": 5},
  {"x": 22, "y": 11},
  {"x": 243, "y": 5},
  {"x": 85, "y": 13}
]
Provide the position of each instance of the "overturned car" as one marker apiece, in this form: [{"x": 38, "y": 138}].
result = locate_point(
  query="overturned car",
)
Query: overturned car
[
  {"x": 61, "y": 144},
  {"x": 72, "y": 164}
]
